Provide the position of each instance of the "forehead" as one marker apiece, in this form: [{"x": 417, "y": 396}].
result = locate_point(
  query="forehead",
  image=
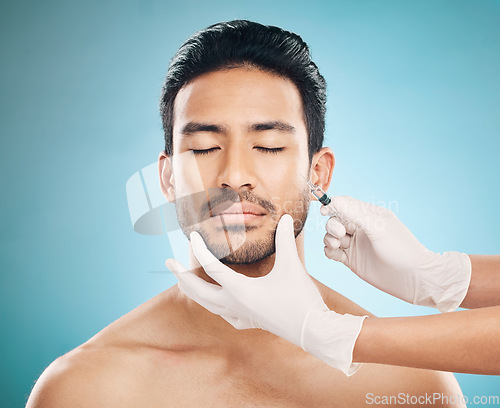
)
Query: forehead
[{"x": 239, "y": 96}]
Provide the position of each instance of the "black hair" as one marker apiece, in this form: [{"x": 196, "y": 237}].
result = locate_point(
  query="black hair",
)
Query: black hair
[{"x": 239, "y": 43}]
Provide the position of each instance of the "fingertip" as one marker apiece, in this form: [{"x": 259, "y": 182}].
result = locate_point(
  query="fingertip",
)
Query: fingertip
[
  {"x": 335, "y": 227},
  {"x": 285, "y": 223},
  {"x": 169, "y": 264},
  {"x": 194, "y": 235},
  {"x": 350, "y": 228},
  {"x": 334, "y": 254},
  {"x": 285, "y": 238},
  {"x": 198, "y": 244},
  {"x": 345, "y": 241},
  {"x": 327, "y": 251},
  {"x": 331, "y": 241},
  {"x": 323, "y": 210}
]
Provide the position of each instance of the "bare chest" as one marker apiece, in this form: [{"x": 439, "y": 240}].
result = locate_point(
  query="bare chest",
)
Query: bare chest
[{"x": 205, "y": 381}]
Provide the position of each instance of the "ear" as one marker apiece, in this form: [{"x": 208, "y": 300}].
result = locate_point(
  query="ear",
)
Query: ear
[
  {"x": 166, "y": 176},
  {"x": 322, "y": 166}
]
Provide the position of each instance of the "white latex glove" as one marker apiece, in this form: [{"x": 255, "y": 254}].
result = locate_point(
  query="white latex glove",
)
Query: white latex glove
[
  {"x": 285, "y": 302},
  {"x": 379, "y": 248}
]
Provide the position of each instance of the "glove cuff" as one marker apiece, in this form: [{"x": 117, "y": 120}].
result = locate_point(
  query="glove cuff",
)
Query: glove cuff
[
  {"x": 445, "y": 283},
  {"x": 331, "y": 337}
]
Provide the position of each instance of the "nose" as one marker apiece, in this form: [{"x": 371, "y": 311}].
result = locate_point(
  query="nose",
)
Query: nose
[{"x": 237, "y": 170}]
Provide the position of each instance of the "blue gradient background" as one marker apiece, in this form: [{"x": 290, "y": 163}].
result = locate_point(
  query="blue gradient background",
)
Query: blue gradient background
[{"x": 413, "y": 119}]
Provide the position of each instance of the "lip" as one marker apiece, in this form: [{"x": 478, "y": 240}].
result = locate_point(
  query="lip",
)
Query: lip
[
  {"x": 248, "y": 210},
  {"x": 238, "y": 218}
]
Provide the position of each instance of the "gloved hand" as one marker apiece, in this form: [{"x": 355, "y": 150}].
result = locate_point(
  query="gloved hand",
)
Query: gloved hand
[
  {"x": 379, "y": 248},
  {"x": 285, "y": 302}
]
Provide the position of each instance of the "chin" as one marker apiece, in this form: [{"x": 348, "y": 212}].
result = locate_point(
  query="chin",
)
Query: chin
[
  {"x": 250, "y": 253},
  {"x": 239, "y": 243}
]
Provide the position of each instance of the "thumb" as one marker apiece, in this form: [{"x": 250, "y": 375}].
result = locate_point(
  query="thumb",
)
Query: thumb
[
  {"x": 285, "y": 239},
  {"x": 356, "y": 211}
]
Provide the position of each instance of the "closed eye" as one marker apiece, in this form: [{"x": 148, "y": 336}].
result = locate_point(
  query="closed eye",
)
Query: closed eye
[
  {"x": 204, "y": 151},
  {"x": 272, "y": 150}
]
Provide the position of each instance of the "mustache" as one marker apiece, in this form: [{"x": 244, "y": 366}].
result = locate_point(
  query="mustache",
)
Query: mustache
[{"x": 225, "y": 197}]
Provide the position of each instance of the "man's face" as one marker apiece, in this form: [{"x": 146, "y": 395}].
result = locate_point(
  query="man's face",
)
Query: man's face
[{"x": 239, "y": 138}]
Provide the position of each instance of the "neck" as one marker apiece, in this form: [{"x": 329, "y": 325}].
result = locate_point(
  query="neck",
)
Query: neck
[{"x": 255, "y": 269}]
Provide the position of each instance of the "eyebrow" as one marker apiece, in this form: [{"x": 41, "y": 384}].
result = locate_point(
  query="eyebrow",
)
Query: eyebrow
[
  {"x": 275, "y": 125},
  {"x": 194, "y": 127}
]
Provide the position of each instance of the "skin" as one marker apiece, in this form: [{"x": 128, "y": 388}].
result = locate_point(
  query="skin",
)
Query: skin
[
  {"x": 170, "y": 351},
  {"x": 484, "y": 287},
  {"x": 238, "y": 157},
  {"x": 465, "y": 341}
]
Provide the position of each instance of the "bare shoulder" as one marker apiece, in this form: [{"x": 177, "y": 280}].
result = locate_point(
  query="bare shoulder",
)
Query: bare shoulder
[
  {"x": 116, "y": 368},
  {"x": 339, "y": 303},
  {"x": 84, "y": 377},
  {"x": 91, "y": 377}
]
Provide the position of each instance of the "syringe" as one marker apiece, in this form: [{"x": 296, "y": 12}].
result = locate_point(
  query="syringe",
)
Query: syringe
[{"x": 325, "y": 199}]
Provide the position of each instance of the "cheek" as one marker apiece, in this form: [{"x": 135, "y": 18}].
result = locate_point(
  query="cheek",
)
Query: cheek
[
  {"x": 294, "y": 204},
  {"x": 284, "y": 179},
  {"x": 187, "y": 174},
  {"x": 290, "y": 164},
  {"x": 288, "y": 192}
]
